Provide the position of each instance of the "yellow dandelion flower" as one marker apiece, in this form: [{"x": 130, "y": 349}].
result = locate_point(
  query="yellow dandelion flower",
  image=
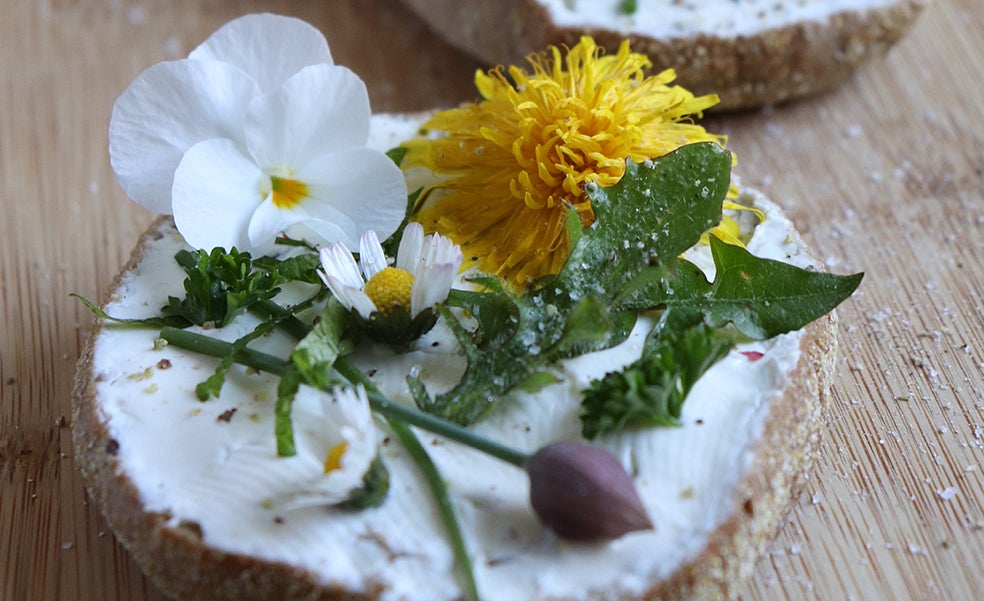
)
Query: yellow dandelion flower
[{"x": 514, "y": 161}]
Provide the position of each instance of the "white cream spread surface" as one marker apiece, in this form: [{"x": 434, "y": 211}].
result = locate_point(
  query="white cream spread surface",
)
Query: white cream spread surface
[
  {"x": 669, "y": 19},
  {"x": 214, "y": 463}
]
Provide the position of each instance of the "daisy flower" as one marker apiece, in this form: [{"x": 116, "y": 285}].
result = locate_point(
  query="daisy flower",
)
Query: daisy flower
[
  {"x": 515, "y": 161},
  {"x": 254, "y": 133},
  {"x": 340, "y": 452},
  {"x": 394, "y": 303}
]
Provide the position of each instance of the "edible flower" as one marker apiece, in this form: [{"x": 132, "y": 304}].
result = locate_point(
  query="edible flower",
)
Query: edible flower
[
  {"x": 516, "y": 161},
  {"x": 342, "y": 454},
  {"x": 394, "y": 303},
  {"x": 256, "y": 132}
]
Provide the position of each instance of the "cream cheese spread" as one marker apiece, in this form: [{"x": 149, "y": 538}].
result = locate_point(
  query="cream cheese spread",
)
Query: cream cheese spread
[
  {"x": 668, "y": 19},
  {"x": 215, "y": 463}
]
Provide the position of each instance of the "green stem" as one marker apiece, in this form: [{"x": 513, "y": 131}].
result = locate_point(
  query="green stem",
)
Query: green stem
[
  {"x": 206, "y": 345},
  {"x": 426, "y": 421},
  {"x": 449, "y": 517},
  {"x": 398, "y": 417}
]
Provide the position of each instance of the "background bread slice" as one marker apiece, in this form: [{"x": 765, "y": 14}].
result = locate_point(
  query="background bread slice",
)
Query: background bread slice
[
  {"x": 182, "y": 563},
  {"x": 770, "y": 66}
]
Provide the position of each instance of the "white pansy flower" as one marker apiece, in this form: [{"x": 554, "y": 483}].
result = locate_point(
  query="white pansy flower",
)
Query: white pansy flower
[
  {"x": 254, "y": 133},
  {"x": 338, "y": 448}
]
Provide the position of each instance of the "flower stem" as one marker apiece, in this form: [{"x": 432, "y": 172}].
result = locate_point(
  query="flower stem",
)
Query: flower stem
[
  {"x": 398, "y": 416},
  {"x": 212, "y": 347},
  {"x": 381, "y": 404},
  {"x": 449, "y": 517}
]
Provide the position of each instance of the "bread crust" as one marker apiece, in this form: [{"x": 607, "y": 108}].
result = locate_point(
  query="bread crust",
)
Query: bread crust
[
  {"x": 771, "y": 67},
  {"x": 179, "y": 562}
]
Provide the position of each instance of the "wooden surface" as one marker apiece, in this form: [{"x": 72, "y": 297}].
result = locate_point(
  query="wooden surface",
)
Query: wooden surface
[{"x": 884, "y": 175}]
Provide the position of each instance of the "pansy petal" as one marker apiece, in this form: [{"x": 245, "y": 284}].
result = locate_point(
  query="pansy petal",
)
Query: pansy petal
[
  {"x": 408, "y": 255},
  {"x": 431, "y": 286},
  {"x": 337, "y": 261},
  {"x": 216, "y": 189},
  {"x": 320, "y": 110},
  {"x": 372, "y": 259},
  {"x": 167, "y": 109},
  {"x": 362, "y": 185},
  {"x": 270, "y": 48},
  {"x": 269, "y": 220}
]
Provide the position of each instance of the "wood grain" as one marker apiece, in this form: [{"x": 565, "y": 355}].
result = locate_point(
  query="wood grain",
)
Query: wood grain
[{"x": 885, "y": 175}]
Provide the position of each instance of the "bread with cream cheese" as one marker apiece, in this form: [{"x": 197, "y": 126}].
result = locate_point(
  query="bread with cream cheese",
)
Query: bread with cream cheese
[
  {"x": 751, "y": 53},
  {"x": 737, "y": 462}
]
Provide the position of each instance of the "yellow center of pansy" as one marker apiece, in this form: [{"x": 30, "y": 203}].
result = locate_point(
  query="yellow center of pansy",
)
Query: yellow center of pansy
[
  {"x": 390, "y": 287},
  {"x": 521, "y": 156},
  {"x": 287, "y": 193},
  {"x": 333, "y": 461}
]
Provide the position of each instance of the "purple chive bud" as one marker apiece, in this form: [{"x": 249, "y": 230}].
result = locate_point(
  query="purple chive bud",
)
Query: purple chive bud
[{"x": 583, "y": 493}]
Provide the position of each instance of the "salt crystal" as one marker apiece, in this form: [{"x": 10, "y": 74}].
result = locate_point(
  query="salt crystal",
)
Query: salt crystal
[{"x": 947, "y": 493}]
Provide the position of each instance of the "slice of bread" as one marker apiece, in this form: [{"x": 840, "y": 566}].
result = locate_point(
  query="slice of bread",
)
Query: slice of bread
[
  {"x": 750, "y": 52},
  {"x": 191, "y": 488}
]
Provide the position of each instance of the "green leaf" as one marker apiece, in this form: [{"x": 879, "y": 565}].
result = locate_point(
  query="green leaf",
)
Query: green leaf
[
  {"x": 375, "y": 487},
  {"x": 651, "y": 391},
  {"x": 537, "y": 381},
  {"x": 396, "y": 154},
  {"x": 218, "y": 287},
  {"x": 653, "y": 214},
  {"x": 302, "y": 268},
  {"x": 761, "y": 297},
  {"x": 149, "y": 322},
  {"x": 316, "y": 353},
  {"x": 287, "y": 387},
  {"x": 590, "y": 327}
]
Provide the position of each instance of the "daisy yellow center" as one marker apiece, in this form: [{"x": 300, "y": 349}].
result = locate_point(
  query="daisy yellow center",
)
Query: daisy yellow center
[
  {"x": 287, "y": 193},
  {"x": 520, "y": 157},
  {"x": 333, "y": 461},
  {"x": 390, "y": 287}
]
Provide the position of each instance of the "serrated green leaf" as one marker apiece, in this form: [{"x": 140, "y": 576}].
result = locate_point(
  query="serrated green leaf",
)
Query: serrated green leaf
[
  {"x": 761, "y": 297},
  {"x": 655, "y": 212},
  {"x": 537, "y": 381}
]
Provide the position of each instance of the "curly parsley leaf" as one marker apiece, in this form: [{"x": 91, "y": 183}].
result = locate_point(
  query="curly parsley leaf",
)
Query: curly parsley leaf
[
  {"x": 218, "y": 287},
  {"x": 651, "y": 391},
  {"x": 761, "y": 297}
]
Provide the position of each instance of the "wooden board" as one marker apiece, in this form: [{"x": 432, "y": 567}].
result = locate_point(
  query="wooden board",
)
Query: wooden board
[{"x": 884, "y": 175}]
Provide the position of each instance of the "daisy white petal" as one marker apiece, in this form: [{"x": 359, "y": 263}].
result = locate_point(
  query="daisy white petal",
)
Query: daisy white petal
[
  {"x": 216, "y": 189},
  {"x": 362, "y": 184},
  {"x": 270, "y": 48},
  {"x": 431, "y": 286},
  {"x": 337, "y": 262},
  {"x": 351, "y": 297},
  {"x": 165, "y": 111},
  {"x": 438, "y": 250},
  {"x": 343, "y": 443},
  {"x": 408, "y": 255},
  {"x": 320, "y": 110},
  {"x": 372, "y": 259}
]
